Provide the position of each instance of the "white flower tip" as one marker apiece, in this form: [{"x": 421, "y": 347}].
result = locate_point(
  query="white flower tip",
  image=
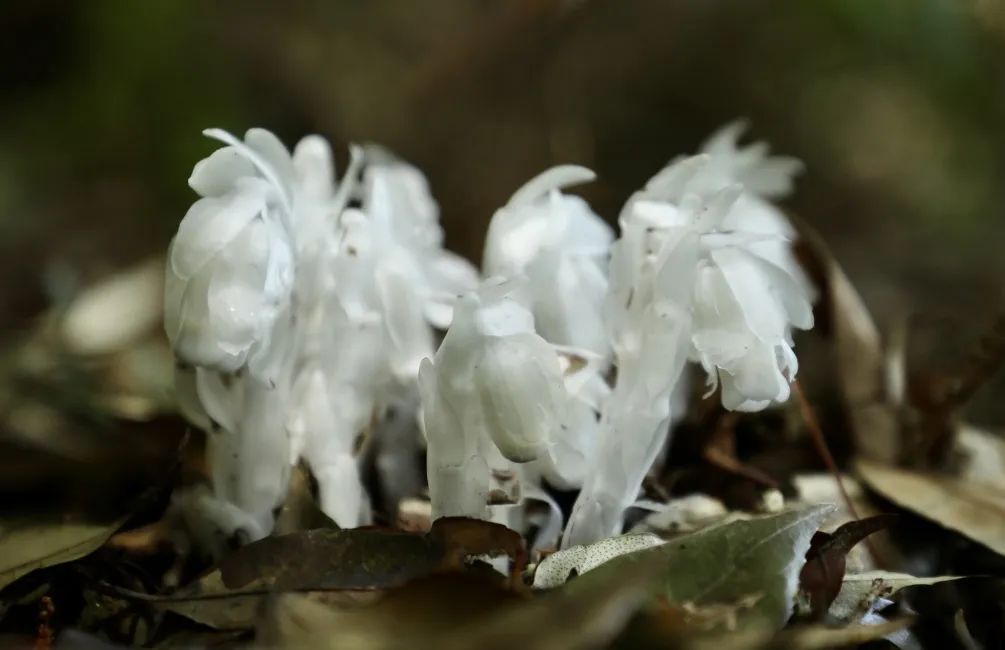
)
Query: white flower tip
[
  {"x": 558, "y": 177},
  {"x": 222, "y": 135},
  {"x": 357, "y": 153},
  {"x": 729, "y": 134}
]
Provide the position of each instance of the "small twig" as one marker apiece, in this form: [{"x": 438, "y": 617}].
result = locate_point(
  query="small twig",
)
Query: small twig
[{"x": 817, "y": 435}]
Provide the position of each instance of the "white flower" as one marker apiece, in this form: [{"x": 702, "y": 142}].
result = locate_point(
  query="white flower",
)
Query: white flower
[
  {"x": 561, "y": 246},
  {"x": 702, "y": 269},
  {"x": 230, "y": 267},
  {"x": 747, "y": 291},
  {"x": 285, "y": 299},
  {"x": 391, "y": 267},
  {"x": 760, "y": 173},
  {"x": 397, "y": 198},
  {"x": 495, "y": 380}
]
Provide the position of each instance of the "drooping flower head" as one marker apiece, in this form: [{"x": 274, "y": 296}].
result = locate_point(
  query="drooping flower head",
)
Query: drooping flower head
[
  {"x": 702, "y": 270},
  {"x": 561, "y": 246},
  {"x": 493, "y": 379},
  {"x": 230, "y": 267},
  {"x": 748, "y": 292},
  {"x": 303, "y": 317}
]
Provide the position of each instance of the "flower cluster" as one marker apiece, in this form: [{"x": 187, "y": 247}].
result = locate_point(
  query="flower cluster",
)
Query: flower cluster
[
  {"x": 702, "y": 271},
  {"x": 307, "y": 309},
  {"x": 300, "y": 310}
]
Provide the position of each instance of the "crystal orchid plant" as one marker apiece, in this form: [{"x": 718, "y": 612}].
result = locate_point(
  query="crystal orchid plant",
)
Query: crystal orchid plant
[{"x": 302, "y": 310}]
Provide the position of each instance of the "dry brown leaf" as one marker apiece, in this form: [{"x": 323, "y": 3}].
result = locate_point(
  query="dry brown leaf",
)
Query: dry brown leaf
[
  {"x": 586, "y": 613},
  {"x": 29, "y": 545},
  {"x": 347, "y": 561},
  {"x": 976, "y": 510},
  {"x": 860, "y": 357}
]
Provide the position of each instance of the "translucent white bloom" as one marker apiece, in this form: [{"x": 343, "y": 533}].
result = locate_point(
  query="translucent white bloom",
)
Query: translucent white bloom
[
  {"x": 397, "y": 198},
  {"x": 761, "y": 174},
  {"x": 702, "y": 269},
  {"x": 493, "y": 379},
  {"x": 285, "y": 299},
  {"x": 230, "y": 267},
  {"x": 747, "y": 290},
  {"x": 561, "y": 246}
]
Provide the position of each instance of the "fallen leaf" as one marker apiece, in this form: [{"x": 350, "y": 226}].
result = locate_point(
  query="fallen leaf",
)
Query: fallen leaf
[
  {"x": 35, "y": 544},
  {"x": 332, "y": 560},
  {"x": 976, "y": 510},
  {"x": 556, "y": 569},
  {"x": 735, "y": 562},
  {"x": 818, "y": 637},
  {"x": 861, "y": 361},
  {"x": 859, "y": 592},
  {"x": 821, "y": 576},
  {"x": 586, "y": 613}
]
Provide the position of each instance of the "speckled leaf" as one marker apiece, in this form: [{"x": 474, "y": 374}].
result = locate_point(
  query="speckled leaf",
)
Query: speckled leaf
[
  {"x": 555, "y": 569},
  {"x": 751, "y": 565}
]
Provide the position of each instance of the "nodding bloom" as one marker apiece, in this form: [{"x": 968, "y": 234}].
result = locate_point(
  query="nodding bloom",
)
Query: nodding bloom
[
  {"x": 700, "y": 271},
  {"x": 748, "y": 292},
  {"x": 561, "y": 246},
  {"x": 493, "y": 381},
  {"x": 230, "y": 267},
  {"x": 302, "y": 317}
]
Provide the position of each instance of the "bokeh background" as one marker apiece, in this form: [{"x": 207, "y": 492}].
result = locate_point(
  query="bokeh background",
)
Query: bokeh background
[{"x": 896, "y": 107}]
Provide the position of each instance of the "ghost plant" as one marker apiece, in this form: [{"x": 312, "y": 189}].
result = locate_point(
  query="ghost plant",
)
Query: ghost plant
[
  {"x": 303, "y": 310},
  {"x": 296, "y": 318}
]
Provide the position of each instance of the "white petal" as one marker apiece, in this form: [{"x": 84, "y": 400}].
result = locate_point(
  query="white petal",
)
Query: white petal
[
  {"x": 218, "y": 174},
  {"x": 211, "y": 224},
  {"x": 274, "y": 153},
  {"x": 670, "y": 182},
  {"x": 449, "y": 275},
  {"x": 751, "y": 289},
  {"x": 756, "y": 376},
  {"x": 519, "y": 389},
  {"x": 410, "y": 336},
  {"x": 187, "y": 397},
  {"x": 341, "y": 492},
  {"x": 192, "y": 335},
  {"x": 314, "y": 166},
  {"x": 504, "y": 315},
  {"x": 555, "y": 178}
]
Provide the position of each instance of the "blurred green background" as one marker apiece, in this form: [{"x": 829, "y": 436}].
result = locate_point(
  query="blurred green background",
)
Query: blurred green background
[{"x": 897, "y": 108}]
